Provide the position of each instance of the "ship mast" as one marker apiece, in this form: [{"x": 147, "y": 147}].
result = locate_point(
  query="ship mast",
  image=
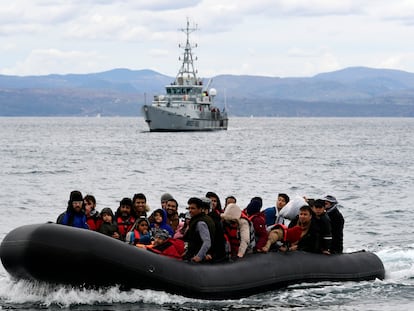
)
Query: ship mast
[{"x": 187, "y": 74}]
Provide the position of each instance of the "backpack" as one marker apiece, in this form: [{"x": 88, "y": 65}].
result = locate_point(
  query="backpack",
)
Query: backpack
[{"x": 252, "y": 242}]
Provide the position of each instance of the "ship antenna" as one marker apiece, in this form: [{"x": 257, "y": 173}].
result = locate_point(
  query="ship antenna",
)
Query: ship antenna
[{"x": 187, "y": 74}]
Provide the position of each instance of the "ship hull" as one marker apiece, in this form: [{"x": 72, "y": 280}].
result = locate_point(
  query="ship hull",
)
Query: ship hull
[{"x": 162, "y": 119}]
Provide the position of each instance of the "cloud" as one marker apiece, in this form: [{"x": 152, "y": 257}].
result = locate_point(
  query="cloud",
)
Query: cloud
[
  {"x": 43, "y": 62},
  {"x": 272, "y": 37}
]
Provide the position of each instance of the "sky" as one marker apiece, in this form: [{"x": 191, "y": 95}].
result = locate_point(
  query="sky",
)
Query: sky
[{"x": 275, "y": 38}]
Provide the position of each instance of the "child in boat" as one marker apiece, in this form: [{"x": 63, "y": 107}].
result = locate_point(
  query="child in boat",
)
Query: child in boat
[
  {"x": 108, "y": 226},
  {"x": 158, "y": 220},
  {"x": 140, "y": 233},
  {"x": 165, "y": 245}
]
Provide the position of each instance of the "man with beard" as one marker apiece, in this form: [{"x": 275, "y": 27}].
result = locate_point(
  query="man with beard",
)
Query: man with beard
[
  {"x": 125, "y": 217},
  {"x": 172, "y": 213},
  {"x": 309, "y": 240},
  {"x": 74, "y": 215}
]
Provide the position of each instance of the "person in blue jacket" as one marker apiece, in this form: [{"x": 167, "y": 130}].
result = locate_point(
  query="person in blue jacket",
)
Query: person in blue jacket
[
  {"x": 74, "y": 215},
  {"x": 159, "y": 219},
  {"x": 272, "y": 213}
]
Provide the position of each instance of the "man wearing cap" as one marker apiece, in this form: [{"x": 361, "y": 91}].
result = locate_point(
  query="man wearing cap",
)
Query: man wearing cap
[
  {"x": 337, "y": 224},
  {"x": 164, "y": 199},
  {"x": 75, "y": 212}
]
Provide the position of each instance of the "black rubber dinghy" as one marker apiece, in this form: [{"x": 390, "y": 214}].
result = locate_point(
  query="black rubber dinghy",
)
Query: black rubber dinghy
[{"x": 65, "y": 255}]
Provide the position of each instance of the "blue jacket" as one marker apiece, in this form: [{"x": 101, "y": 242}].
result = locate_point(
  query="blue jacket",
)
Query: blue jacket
[
  {"x": 272, "y": 216},
  {"x": 163, "y": 224},
  {"x": 70, "y": 218}
]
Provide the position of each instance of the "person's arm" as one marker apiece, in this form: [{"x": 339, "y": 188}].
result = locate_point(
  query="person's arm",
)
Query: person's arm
[
  {"x": 204, "y": 233},
  {"x": 244, "y": 229},
  {"x": 326, "y": 235}
]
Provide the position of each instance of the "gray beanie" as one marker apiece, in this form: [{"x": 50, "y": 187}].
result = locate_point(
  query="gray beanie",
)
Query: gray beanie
[
  {"x": 166, "y": 197},
  {"x": 161, "y": 233}
]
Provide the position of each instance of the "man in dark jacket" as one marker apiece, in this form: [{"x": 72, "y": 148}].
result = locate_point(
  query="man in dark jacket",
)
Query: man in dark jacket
[
  {"x": 200, "y": 232},
  {"x": 75, "y": 212},
  {"x": 337, "y": 224},
  {"x": 324, "y": 225},
  {"x": 309, "y": 241}
]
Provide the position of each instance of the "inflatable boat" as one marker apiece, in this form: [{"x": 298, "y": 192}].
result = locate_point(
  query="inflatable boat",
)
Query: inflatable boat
[{"x": 65, "y": 255}]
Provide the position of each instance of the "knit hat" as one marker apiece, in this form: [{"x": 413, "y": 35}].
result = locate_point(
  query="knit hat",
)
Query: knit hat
[
  {"x": 253, "y": 207},
  {"x": 107, "y": 211},
  {"x": 75, "y": 196},
  {"x": 161, "y": 233},
  {"x": 293, "y": 234},
  {"x": 126, "y": 201},
  {"x": 166, "y": 196},
  {"x": 331, "y": 199}
]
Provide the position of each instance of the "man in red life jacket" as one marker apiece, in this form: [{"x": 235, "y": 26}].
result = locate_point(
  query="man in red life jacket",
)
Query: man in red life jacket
[
  {"x": 93, "y": 218},
  {"x": 124, "y": 217}
]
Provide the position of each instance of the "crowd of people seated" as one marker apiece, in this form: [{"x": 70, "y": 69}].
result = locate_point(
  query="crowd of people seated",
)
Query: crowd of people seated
[{"x": 208, "y": 232}]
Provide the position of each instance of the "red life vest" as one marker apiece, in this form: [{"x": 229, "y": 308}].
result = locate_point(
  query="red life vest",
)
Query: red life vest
[
  {"x": 93, "y": 223},
  {"x": 284, "y": 229},
  {"x": 125, "y": 225},
  {"x": 232, "y": 236},
  {"x": 137, "y": 235},
  {"x": 290, "y": 235}
]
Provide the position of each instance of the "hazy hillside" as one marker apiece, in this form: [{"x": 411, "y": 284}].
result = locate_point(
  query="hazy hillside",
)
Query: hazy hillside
[{"x": 356, "y": 91}]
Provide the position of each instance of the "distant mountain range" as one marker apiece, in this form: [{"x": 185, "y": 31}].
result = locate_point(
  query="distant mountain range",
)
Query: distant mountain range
[{"x": 351, "y": 92}]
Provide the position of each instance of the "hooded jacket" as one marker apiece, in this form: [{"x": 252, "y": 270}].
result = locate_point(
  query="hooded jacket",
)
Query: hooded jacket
[
  {"x": 71, "y": 217},
  {"x": 163, "y": 225},
  {"x": 234, "y": 213}
]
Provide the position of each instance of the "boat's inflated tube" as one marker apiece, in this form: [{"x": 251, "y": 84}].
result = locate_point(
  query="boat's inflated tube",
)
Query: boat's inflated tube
[{"x": 66, "y": 255}]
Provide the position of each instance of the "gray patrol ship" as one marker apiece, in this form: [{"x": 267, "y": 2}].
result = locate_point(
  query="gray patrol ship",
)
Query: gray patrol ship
[{"x": 187, "y": 104}]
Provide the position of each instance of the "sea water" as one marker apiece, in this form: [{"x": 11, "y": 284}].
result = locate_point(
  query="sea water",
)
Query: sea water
[{"x": 367, "y": 163}]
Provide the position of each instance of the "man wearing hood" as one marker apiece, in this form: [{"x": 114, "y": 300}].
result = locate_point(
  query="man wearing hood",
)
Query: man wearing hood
[
  {"x": 75, "y": 212},
  {"x": 259, "y": 222},
  {"x": 337, "y": 224}
]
